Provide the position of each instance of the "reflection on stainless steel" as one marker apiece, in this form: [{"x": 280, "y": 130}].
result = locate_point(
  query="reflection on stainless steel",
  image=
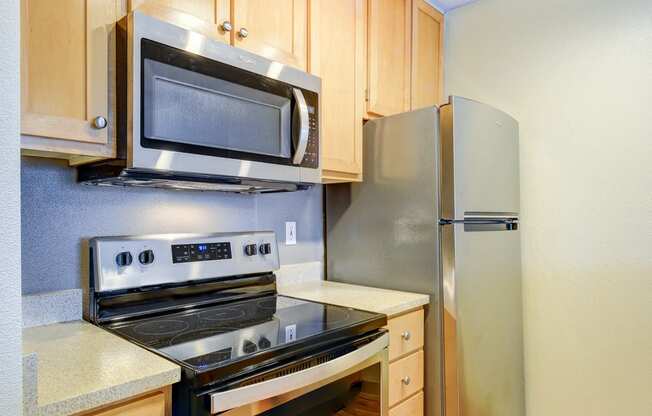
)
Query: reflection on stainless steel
[
  {"x": 412, "y": 225},
  {"x": 306, "y": 380},
  {"x": 195, "y": 42}
]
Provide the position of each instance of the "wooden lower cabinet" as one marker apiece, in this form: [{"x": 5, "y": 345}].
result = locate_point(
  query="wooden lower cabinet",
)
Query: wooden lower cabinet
[
  {"x": 406, "y": 363},
  {"x": 155, "y": 403},
  {"x": 411, "y": 407}
]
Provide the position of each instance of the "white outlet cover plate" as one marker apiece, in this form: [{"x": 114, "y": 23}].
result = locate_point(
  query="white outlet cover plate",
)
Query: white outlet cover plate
[{"x": 290, "y": 233}]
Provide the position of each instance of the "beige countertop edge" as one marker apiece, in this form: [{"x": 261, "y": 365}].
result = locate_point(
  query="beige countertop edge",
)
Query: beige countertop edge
[
  {"x": 388, "y": 302},
  {"x": 76, "y": 366}
]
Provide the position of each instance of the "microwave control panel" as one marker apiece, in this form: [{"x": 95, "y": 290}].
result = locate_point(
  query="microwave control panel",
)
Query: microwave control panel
[{"x": 311, "y": 158}]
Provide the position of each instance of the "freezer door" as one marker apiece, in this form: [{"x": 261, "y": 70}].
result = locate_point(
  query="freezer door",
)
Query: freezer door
[{"x": 481, "y": 261}]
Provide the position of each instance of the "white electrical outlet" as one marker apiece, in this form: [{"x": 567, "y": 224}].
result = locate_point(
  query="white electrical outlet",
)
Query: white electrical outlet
[
  {"x": 290, "y": 233},
  {"x": 290, "y": 333}
]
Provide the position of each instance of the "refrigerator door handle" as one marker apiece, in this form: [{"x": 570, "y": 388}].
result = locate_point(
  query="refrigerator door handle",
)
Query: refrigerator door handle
[{"x": 485, "y": 221}]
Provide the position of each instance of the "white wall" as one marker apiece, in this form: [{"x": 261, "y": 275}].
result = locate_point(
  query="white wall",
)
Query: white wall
[
  {"x": 577, "y": 74},
  {"x": 10, "y": 316}
]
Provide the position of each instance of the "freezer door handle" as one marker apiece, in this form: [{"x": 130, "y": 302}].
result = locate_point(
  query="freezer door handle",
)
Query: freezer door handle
[{"x": 485, "y": 221}]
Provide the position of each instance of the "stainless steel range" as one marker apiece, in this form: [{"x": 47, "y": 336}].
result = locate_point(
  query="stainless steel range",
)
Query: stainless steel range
[{"x": 209, "y": 303}]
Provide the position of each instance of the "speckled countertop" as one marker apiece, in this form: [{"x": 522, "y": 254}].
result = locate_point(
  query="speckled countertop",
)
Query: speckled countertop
[
  {"x": 389, "y": 302},
  {"x": 79, "y": 366}
]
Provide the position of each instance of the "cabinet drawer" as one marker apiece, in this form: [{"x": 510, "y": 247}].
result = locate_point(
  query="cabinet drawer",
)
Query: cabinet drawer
[
  {"x": 411, "y": 407},
  {"x": 405, "y": 334},
  {"x": 405, "y": 377}
]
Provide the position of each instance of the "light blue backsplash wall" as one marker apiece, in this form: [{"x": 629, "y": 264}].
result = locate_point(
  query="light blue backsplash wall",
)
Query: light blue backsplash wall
[{"x": 58, "y": 215}]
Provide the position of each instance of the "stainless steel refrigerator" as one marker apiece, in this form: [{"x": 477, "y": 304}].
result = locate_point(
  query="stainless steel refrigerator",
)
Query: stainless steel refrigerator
[{"x": 438, "y": 213}]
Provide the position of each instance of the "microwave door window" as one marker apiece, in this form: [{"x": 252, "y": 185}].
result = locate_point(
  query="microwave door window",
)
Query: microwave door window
[{"x": 183, "y": 108}]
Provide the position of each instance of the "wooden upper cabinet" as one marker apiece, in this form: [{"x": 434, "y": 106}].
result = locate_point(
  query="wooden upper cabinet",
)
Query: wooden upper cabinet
[
  {"x": 337, "y": 56},
  {"x": 388, "y": 56},
  {"x": 203, "y": 16},
  {"x": 276, "y": 29},
  {"x": 427, "y": 54},
  {"x": 65, "y": 76}
]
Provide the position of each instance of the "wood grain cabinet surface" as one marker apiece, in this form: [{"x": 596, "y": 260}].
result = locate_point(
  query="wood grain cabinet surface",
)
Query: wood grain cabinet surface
[
  {"x": 389, "y": 24},
  {"x": 411, "y": 407},
  {"x": 208, "y": 17},
  {"x": 427, "y": 55},
  {"x": 65, "y": 47},
  {"x": 155, "y": 403},
  {"x": 337, "y": 57},
  {"x": 276, "y": 29}
]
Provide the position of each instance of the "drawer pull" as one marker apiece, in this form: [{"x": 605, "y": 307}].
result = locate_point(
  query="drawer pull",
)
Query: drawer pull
[
  {"x": 406, "y": 335},
  {"x": 406, "y": 380}
]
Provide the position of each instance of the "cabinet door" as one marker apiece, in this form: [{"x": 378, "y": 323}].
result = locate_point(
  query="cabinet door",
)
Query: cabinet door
[
  {"x": 156, "y": 404},
  {"x": 274, "y": 29},
  {"x": 336, "y": 55},
  {"x": 427, "y": 41},
  {"x": 204, "y": 16},
  {"x": 65, "y": 71},
  {"x": 388, "y": 56}
]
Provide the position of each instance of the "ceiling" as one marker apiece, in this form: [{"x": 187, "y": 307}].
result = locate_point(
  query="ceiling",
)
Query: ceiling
[{"x": 446, "y": 5}]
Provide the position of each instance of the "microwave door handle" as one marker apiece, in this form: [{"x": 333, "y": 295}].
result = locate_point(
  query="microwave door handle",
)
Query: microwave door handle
[{"x": 304, "y": 126}]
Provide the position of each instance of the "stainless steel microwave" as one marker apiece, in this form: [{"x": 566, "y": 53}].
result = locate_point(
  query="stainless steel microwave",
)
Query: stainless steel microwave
[{"x": 192, "y": 112}]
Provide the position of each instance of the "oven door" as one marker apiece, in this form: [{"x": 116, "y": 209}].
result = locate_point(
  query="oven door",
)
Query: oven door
[
  {"x": 203, "y": 107},
  {"x": 356, "y": 380}
]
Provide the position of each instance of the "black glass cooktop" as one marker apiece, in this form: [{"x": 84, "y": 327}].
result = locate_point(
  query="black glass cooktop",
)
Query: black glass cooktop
[{"x": 216, "y": 336}]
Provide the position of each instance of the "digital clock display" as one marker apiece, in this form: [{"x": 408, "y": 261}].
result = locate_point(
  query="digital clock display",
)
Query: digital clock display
[{"x": 184, "y": 253}]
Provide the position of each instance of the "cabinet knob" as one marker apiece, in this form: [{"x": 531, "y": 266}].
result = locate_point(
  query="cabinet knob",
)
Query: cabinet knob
[
  {"x": 99, "y": 122},
  {"x": 226, "y": 26},
  {"x": 243, "y": 33},
  {"x": 406, "y": 335},
  {"x": 406, "y": 380}
]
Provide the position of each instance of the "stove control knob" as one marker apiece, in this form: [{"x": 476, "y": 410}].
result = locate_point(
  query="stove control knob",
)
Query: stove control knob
[
  {"x": 251, "y": 249},
  {"x": 249, "y": 347},
  {"x": 123, "y": 259},
  {"x": 263, "y": 343},
  {"x": 146, "y": 257},
  {"x": 265, "y": 248}
]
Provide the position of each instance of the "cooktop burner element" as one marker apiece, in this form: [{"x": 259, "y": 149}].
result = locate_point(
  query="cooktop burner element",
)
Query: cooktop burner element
[
  {"x": 161, "y": 327},
  {"x": 223, "y": 314}
]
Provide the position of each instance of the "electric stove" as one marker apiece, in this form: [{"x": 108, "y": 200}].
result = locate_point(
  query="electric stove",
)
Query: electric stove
[{"x": 209, "y": 303}]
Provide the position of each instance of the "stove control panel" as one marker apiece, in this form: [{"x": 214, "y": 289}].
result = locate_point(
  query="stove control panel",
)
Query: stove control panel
[
  {"x": 183, "y": 253},
  {"x": 130, "y": 262}
]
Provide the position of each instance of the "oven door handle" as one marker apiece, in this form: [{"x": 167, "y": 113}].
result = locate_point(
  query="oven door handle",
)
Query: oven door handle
[
  {"x": 304, "y": 126},
  {"x": 242, "y": 396}
]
